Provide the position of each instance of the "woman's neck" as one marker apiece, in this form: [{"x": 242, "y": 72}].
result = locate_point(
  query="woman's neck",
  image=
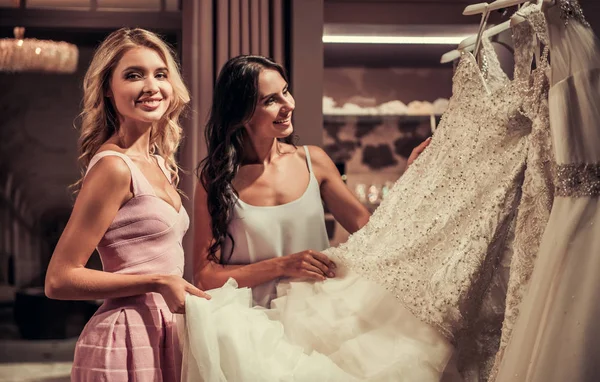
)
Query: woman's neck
[
  {"x": 261, "y": 151},
  {"x": 134, "y": 138}
]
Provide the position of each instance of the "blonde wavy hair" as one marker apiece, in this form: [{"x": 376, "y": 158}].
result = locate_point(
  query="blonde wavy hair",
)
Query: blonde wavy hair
[{"x": 99, "y": 119}]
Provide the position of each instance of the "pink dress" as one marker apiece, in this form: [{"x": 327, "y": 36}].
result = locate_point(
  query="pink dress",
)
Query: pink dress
[{"x": 135, "y": 338}]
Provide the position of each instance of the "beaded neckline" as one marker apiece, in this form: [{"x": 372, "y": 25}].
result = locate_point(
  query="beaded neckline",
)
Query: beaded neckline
[{"x": 571, "y": 10}]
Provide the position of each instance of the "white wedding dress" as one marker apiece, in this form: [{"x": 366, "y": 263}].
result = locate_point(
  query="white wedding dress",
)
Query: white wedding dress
[
  {"x": 537, "y": 192},
  {"x": 556, "y": 336},
  {"x": 488, "y": 334}
]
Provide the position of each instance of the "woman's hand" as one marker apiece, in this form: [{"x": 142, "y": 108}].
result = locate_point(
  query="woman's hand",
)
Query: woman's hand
[
  {"x": 417, "y": 151},
  {"x": 173, "y": 288},
  {"x": 307, "y": 264}
]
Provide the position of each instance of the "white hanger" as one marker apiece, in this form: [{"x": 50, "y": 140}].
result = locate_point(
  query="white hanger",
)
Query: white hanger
[
  {"x": 499, "y": 4},
  {"x": 454, "y": 54},
  {"x": 482, "y": 24},
  {"x": 515, "y": 19},
  {"x": 468, "y": 44},
  {"x": 493, "y": 31},
  {"x": 476, "y": 9}
]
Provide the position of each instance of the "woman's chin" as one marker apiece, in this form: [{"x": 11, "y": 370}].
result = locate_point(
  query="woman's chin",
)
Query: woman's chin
[
  {"x": 284, "y": 132},
  {"x": 150, "y": 117}
]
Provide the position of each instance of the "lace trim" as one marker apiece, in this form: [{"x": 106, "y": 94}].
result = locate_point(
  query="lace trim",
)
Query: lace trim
[
  {"x": 571, "y": 10},
  {"x": 578, "y": 180},
  {"x": 536, "y": 20}
]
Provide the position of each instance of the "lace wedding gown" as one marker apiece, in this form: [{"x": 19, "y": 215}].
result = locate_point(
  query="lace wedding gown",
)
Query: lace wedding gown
[
  {"x": 408, "y": 282},
  {"x": 483, "y": 347},
  {"x": 556, "y": 335},
  {"x": 537, "y": 190}
]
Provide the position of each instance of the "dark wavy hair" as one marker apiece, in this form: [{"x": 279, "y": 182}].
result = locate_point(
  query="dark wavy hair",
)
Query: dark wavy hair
[{"x": 235, "y": 98}]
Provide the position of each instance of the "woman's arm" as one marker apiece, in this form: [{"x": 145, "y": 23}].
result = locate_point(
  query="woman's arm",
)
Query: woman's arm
[
  {"x": 209, "y": 274},
  {"x": 344, "y": 206},
  {"x": 105, "y": 189}
]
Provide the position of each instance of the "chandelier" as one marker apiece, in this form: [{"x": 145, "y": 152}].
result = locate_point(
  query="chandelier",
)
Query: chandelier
[{"x": 21, "y": 54}]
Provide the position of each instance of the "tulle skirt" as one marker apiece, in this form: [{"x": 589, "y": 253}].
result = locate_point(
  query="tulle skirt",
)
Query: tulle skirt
[
  {"x": 342, "y": 329},
  {"x": 557, "y": 333}
]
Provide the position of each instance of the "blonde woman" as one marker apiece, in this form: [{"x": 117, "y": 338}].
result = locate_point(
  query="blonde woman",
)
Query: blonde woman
[{"x": 128, "y": 207}]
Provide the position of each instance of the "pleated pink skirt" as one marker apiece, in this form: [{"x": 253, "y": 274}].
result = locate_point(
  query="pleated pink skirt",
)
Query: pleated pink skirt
[{"x": 129, "y": 339}]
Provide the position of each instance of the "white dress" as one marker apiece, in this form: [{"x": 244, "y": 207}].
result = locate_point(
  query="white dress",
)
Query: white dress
[
  {"x": 537, "y": 192},
  {"x": 557, "y": 336}
]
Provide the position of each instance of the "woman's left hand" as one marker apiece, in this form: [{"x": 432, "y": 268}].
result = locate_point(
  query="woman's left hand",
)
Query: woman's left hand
[{"x": 417, "y": 151}]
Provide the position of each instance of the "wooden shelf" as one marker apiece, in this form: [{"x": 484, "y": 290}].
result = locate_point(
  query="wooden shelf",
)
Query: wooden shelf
[{"x": 378, "y": 118}]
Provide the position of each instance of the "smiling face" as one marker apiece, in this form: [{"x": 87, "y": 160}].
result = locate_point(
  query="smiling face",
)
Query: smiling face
[
  {"x": 139, "y": 86},
  {"x": 272, "y": 117}
]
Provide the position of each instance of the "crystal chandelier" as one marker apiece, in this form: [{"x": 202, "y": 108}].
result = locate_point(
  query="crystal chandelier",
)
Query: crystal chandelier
[{"x": 31, "y": 55}]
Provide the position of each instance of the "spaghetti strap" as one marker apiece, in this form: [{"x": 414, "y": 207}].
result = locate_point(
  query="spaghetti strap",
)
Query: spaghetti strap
[
  {"x": 138, "y": 181},
  {"x": 308, "y": 161}
]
